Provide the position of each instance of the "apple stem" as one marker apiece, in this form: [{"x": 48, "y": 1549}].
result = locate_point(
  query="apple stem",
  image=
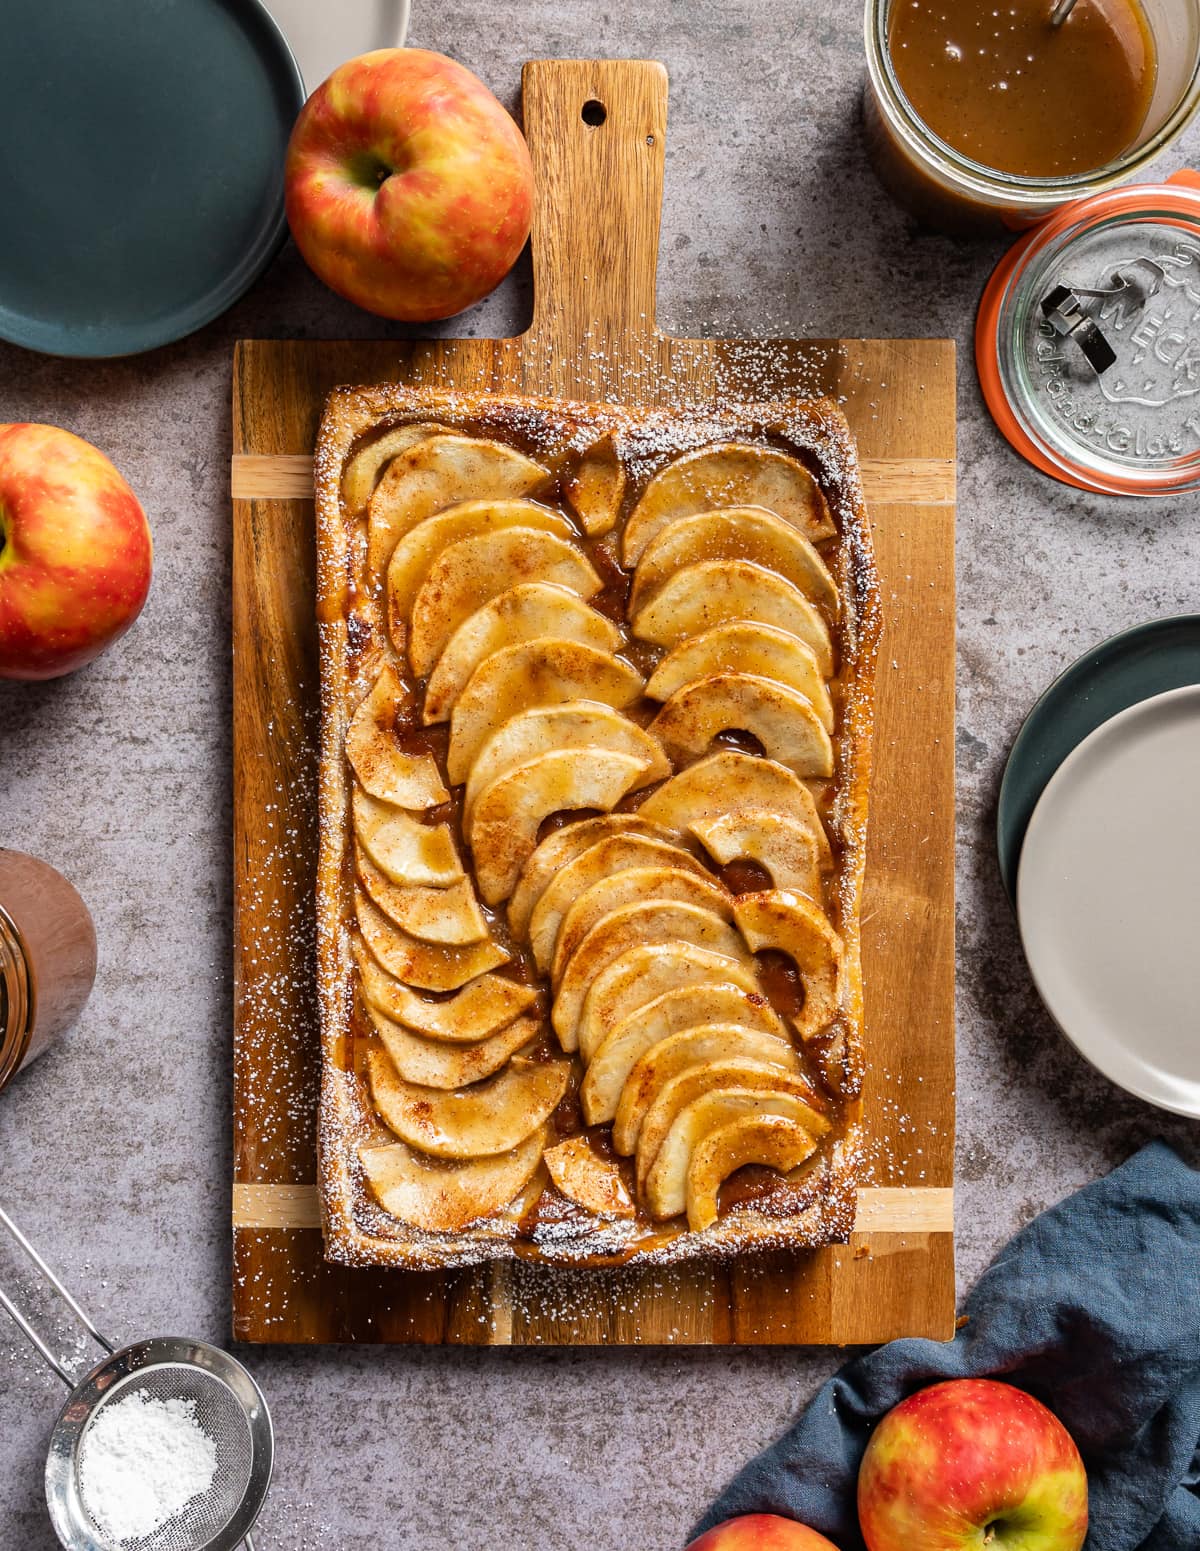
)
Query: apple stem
[{"x": 989, "y": 1534}]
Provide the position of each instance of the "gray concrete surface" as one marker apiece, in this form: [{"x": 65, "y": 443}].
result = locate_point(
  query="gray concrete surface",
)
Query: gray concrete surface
[{"x": 114, "y": 1151}]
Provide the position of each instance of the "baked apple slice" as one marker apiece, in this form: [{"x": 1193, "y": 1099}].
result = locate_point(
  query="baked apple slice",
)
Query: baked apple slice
[
  {"x": 451, "y": 915},
  {"x": 576, "y": 724},
  {"x": 428, "y": 966},
  {"x": 383, "y": 769},
  {"x": 640, "y": 975},
  {"x": 446, "y": 1198},
  {"x": 466, "y": 575},
  {"x": 597, "y": 862},
  {"x": 629, "y": 886},
  {"x": 705, "y": 1045},
  {"x": 364, "y": 468},
  {"x": 745, "y": 646},
  {"x": 730, "y": 474},
  {"x": 491, "y": 1117},
  {"x": 782, "y": 720},
  {"x": 773, "y": 1141},
  {"x": 521, "y": 678},
  {"x": 482, "y": 1007},
  {"x": 523, "y": 613},
  {"x": 611, "y": 1067},
  {"x": 794, "y": 925},
  {"x": 705, "y": 1001},
  {"x": 666, "y": 1190},
  {"x": 735, "y": 533},
  {"x": 786, "y": 850},
  {"x": 406, "y": 851},
  {"x": 432, "y": 1063},
  {"x": 415, "y": 553},
  {"x": 592, "y": 1182},
  {"x": 508, "y": 812},
  {"x": 560, "y": 848},
  {"x": 441, "y": 471},
  {"x": 713, "y": 592},
  {"x": 654, "y": 921},
  {"x": 700, "y": 1081},
  {"x": 597, "y": 487},
  {"x": 731, "y": 782}
]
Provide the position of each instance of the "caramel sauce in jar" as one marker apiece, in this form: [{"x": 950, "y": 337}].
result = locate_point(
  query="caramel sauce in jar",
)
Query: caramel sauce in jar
[
  {"x": 1004, "y": 87},
  {"x": 47, "y": 958},
  {"x": 982, "y": 117}
]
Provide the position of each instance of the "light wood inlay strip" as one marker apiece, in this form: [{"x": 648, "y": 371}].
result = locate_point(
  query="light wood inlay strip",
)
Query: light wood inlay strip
[
  {"x": 915, "y": 481},
  {"x": 288, "y": 477},
  {"x": 276, "y": 1206},
  {"x": 891, "y": 1209},
  {"x": 880, "y": 1210},
  {"x": 272, "y": 477}
]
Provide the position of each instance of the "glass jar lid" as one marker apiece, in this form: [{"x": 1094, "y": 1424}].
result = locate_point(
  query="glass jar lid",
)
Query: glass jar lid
[{"x": 1088, "y": 341}]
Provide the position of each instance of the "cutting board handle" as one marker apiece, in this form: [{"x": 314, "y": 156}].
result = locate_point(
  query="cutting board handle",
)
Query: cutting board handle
[{"x": 597, "y": 131}]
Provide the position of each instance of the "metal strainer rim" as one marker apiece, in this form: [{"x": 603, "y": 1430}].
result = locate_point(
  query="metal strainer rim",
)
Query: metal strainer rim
[{"x": 67, "y": 1512}]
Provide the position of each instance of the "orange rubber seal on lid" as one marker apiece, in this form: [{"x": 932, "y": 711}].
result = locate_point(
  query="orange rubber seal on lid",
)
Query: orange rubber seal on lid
[{"x": 987, "y": 321}]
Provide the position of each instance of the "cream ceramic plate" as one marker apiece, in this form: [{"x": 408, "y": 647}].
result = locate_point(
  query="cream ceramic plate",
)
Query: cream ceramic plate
[
  {"x": 323, "y": 34},
  {"x": 1108, "y": 899}
]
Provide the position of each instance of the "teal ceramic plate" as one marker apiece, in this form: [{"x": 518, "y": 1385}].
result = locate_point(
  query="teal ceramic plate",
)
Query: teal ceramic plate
[
  {"x": 1147, "y": 660},
  {"x": 141, "y": 171}
]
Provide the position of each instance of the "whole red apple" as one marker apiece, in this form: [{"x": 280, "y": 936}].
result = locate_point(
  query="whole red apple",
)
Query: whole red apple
[
  {"x": 972, "y": 1463},
  {"x": 409, "y": 188},
  {"x": 761, "y": 1532},
  {"x": 75, "y": 552}
]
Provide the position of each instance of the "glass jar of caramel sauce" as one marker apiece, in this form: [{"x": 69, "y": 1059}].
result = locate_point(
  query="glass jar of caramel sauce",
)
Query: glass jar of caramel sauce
[
  {"x": 47, "y": 958},
  {"x": 984, "y": 116}
]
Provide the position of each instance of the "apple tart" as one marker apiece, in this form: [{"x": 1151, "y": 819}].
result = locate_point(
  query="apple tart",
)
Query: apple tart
[{"x": 597, "y": 690}]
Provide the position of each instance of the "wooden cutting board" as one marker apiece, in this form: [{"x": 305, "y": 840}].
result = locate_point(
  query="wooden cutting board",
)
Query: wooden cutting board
[{"x": 593, "y": 336}]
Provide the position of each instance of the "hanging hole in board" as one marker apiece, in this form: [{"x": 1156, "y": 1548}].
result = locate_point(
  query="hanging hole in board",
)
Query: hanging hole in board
[{"x": 593, "y": 113}]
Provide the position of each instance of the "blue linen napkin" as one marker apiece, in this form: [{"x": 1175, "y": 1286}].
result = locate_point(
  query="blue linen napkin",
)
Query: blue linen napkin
[{"x": 1094, "y": 1308}]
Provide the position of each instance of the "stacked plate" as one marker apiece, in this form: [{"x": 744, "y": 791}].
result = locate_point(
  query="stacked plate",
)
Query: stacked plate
[
  {"x": 1099, "y": 841},
  {"x": 142, "y": 173},
  {"x": 143, "y": 149}
]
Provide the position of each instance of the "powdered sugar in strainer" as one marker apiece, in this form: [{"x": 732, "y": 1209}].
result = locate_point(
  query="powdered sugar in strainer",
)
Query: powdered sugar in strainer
[{"x": 217, "y": 1395}]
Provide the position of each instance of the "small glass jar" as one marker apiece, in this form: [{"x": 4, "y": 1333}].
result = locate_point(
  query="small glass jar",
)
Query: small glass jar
[
  {"x": 47, "y": 958},
  {"x": 1087, "y": 342},
  {"x": 949, "y": 191}
]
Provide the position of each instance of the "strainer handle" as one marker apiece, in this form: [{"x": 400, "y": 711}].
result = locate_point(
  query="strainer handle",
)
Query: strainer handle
[{"x": 23, "y": 1324}]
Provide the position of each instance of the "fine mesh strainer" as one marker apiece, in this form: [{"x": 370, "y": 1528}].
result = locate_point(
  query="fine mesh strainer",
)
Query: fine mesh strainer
[{"x": 228, "y": 1406}]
